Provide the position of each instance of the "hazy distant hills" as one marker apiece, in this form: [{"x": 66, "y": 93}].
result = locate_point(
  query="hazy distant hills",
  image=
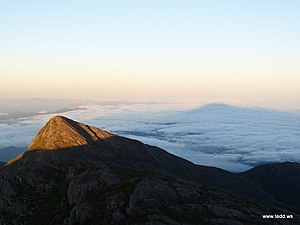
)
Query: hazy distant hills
[
  {"x": 10, "y": 152},
  {"x": 73, "y": 173}
]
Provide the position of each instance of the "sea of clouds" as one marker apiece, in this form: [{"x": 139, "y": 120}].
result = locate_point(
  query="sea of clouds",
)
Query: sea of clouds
[{"x": 228, "y": 137}]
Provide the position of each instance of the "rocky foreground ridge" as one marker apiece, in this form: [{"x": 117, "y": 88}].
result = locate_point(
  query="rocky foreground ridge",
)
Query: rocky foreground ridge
[{"x": 78, "y": 174}]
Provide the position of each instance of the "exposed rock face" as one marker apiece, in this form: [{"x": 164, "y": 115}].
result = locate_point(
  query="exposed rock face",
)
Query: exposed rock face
[
  {"x": 86, "y": 192},
  {"x": 61, "y": 132},
  {"x": 93, "y": 177}
]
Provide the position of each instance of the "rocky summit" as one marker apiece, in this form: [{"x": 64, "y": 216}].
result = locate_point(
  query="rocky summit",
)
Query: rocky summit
[
  {"x": 61, "y": 132},
  {"x": 75, "y": 174}
]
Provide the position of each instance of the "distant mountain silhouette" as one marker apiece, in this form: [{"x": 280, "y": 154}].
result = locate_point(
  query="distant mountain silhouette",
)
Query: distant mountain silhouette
[
  {"x": 78, "y": 174},
  {"x": 10, "y": 152}
]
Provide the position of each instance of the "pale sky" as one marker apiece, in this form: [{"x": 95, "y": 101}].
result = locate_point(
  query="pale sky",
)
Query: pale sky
[{"x": 243, "y": 52}]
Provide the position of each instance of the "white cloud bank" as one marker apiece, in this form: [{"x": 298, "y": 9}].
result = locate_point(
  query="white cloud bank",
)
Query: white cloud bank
[{"x": 228, "y": 137}]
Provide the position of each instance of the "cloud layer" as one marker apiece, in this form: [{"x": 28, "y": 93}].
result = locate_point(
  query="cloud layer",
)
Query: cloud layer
[{"x": 232, "y": 138}]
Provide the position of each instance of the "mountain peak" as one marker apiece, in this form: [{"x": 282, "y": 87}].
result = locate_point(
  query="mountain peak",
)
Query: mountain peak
[
  {"x": 59, "y": 118},
  {"x": 62, "y": 132}
]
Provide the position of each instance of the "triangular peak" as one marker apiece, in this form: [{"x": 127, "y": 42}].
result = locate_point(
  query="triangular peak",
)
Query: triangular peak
[{"x": 62, "y": 132}]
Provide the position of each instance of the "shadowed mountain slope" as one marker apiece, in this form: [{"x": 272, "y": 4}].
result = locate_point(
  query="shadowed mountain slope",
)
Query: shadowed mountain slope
[
  {"x": 77, "y": 174},
  {"x": 279, "y": 180},
  {"x": 75, "y": 140}
]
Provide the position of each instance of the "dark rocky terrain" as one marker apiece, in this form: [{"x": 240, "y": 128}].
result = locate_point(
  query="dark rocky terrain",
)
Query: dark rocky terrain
[
  {"x": 78, "y": 174},
  {"x": 280, "y": 180}
]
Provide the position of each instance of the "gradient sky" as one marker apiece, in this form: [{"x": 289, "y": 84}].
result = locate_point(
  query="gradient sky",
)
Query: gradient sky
[{"x": 245, "y": 52}]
